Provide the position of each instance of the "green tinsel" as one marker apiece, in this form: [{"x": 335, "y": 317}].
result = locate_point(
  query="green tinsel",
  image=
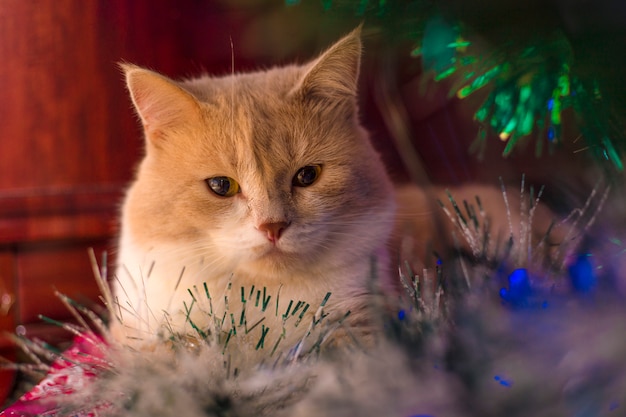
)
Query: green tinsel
[
  {"x": 529, "y": 93},
  {"x": 533, "y": 76}
]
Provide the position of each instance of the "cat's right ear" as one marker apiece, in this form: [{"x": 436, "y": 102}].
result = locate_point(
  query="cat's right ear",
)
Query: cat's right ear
[
  {"x": 334, "y": 75},
  {"x": 162, "y": 105}
]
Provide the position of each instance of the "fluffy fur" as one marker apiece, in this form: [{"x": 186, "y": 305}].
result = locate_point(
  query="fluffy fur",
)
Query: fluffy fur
[{"x": 258, "y": 128}]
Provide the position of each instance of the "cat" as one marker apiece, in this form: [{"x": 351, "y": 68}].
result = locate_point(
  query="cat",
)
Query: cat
[
  {"x": 261, "y": 208},
  {"x": 253, "y": 185}
]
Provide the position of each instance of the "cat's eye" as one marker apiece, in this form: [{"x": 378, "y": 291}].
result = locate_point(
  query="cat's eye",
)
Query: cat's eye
[
  {"x": 307, "y": 175},
  {"x": 223, "y": 186}
]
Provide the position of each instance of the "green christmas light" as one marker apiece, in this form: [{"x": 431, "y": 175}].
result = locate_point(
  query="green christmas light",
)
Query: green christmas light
[
  {"x": 445, "y": 74},
  {"x": 481, "y": 81}
]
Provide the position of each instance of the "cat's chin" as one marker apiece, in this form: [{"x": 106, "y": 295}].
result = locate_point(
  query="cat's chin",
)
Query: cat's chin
[
  {"x": 274, "y": 254},
  {"x": 274, "y": 261}
]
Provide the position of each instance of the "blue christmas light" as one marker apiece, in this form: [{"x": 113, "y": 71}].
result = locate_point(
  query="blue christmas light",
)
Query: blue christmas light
[
  {"x": 519, "y": 288},
  {"x": 401, "y": 315},
  {"x": 520, "y": 293},
  {"x": 519, "y": 282},
  {"x": 504, "y": 382},
  {"x": 582, "y": 274}
]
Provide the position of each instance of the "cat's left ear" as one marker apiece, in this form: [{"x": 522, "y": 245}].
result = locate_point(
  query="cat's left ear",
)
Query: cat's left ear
[
  {"x": 335, "y": 73},
  {"x": 162, "y": 105}
]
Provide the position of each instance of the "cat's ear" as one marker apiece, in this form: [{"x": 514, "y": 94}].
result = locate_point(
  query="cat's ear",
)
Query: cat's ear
[
  {"x": 161, "y": 104},
  {"x": 335, "y": 73}
]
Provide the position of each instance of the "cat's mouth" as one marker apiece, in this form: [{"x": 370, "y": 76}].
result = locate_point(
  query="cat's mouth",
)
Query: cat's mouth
[
  {"x": 270, "y": 250},
  {"x": 274, "y": 252}
]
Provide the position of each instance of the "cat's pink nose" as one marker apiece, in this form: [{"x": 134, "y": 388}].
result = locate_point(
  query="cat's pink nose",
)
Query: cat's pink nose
[{"x": 273, "y": 230}]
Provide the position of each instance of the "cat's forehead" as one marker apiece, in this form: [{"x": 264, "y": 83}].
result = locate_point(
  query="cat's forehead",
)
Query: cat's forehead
[
  {"x": 276, "y": 82},
  {"x": 254, "y": 119},
  {"x": 261, "y": 138},
  {"x": 255, "y": 107}
]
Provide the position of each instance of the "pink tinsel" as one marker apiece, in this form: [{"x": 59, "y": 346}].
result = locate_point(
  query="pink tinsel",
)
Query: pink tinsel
[{"x": 69, "y": 374}]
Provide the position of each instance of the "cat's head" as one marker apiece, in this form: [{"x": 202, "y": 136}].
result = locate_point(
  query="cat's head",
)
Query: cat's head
[{"x": 267, "y": 169}]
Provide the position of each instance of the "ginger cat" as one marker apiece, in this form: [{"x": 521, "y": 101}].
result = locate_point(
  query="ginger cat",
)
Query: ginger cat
[
  {"x": 258, "y": 195},
  {"x": 264, "y": 183}
]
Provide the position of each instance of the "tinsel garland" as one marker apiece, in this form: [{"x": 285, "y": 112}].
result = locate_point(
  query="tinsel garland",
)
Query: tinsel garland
[{"x": 488, "y": 334}]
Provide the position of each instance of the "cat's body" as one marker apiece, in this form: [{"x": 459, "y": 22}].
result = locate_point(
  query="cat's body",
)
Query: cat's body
[
  {"x": 311, "y": 212},
  {"x": 307, "y": 208}
]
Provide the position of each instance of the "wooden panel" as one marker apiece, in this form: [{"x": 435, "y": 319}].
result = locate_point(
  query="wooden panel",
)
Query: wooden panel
[
  {"x": 80, "y": 226},
  {"x": 62, "y": 102},
  {"x": 7, "y": 295},
  {"x": 44, "y": 269},
  {"x": 69, "y": 199},
  {"x": 67, "y": 213},
  {"x": 7, "y": 318}
]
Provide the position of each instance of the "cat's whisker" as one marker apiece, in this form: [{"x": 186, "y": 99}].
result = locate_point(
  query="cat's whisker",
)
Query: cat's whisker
[{"x": 211, "y": 266}]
